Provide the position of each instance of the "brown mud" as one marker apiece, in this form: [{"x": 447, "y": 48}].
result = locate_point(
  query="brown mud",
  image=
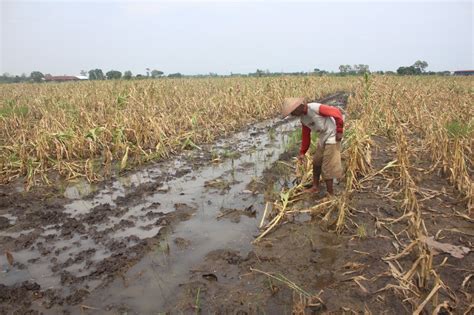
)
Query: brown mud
[
  {"x": 346, "y": 272},
  {"x": 177, "y": 237}
]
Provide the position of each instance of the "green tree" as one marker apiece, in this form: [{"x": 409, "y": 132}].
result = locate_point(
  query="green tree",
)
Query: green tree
[
  {"x": 319, "y": 72},
  {"x": 421, "y": 65},
  {"x": 259, "y": 73},
  {"x": 92, "y": 75},
  {"x": 156, "y": 73},
  {"x": 402, "y": 70},
  {"x": 175, "y": 75},
  {"x": 345, "y": 69},
  {"x": 411, "y": 70},
  {"x": 113, "y": 75},
  {"x": 99, "y": 74},
  {"x": 96, "y": 74},
  {"x": 37, "y": 76},
  {"x": 361, "y": 68},
  {"x": 127, "y": 75}
]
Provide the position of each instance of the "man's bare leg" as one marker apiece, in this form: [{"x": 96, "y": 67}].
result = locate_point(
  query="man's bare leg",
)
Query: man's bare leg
[
  {"x": 330, "y": 186},
  {"x": 316, "y": 176}
]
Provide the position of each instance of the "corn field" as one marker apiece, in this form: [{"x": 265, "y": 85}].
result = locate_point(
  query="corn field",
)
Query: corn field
[
  {"x": 424, "y": 119},
  {"x": 92, "y": 129}
]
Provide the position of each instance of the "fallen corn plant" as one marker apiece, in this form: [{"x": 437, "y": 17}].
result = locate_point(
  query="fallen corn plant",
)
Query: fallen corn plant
[{"x": 75, "y": 129}]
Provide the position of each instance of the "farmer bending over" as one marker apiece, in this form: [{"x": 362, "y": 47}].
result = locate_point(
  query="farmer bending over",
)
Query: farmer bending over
[{"x": 328, "y": 122}]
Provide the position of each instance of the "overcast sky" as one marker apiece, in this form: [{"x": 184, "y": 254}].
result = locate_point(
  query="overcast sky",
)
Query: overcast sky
[{"x": 64, "y": 37}]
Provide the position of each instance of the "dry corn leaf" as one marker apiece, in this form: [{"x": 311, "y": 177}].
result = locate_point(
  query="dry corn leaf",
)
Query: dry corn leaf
[
  {"x": 453, "y": 250},
  {"x": 9, "y": 257},
  {"x": 467, "y": 279},
  {"x": 123, "y": 163},
  {"x": 419, "y": 309},
  {"x": 445, "y": 306}
]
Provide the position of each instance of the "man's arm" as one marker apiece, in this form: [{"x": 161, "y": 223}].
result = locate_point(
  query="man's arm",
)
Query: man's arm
[
  {"x": 334, "y": 112},
  {"x": 305, "y": 139}
]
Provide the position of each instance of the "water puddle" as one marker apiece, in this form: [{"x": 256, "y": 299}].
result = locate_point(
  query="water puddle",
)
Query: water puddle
[
  {"x": 211, "y": 190},
  {"x": 153, "y": 281},
  {"x": 108, "y": 221},
  {"x": 126, "y": 210}
]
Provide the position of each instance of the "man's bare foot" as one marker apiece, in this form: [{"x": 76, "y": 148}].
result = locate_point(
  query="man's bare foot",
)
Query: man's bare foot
[{"x": 312, "y": 190}]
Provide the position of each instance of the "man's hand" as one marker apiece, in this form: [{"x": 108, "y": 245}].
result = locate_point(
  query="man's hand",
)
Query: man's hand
[
  {"x": 338, "y": 136},
  {"x": 302, "y": 158}
]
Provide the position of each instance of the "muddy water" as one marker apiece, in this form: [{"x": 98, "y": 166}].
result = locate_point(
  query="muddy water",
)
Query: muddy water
[
  {"x": 210, "y": 185},
  {"x": 212, "y": 190},
  {"x": 191, "y": 182}
]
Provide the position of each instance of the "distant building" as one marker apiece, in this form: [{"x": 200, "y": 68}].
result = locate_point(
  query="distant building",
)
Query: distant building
[
  {"x": 64, "y": 78},
  {"x": 464, "y": 72}
]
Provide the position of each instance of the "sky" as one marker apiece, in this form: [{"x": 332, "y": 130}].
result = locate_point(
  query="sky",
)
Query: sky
[{"x": 197, "y": 37}]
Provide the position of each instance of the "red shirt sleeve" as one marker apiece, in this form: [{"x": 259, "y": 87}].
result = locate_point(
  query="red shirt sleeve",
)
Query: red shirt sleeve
[
  {"x": 334, "y": 112},
  {"x": 305, "y": 139}
]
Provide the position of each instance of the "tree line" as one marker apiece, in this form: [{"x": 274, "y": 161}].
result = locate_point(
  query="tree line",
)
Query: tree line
[
  {"x": 418, "y": 68},
  {"x": 93, "y": 74},
  {"x": 97, "y": 74}
]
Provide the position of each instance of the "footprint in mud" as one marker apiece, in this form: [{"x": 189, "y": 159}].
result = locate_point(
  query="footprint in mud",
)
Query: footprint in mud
[
  {"x": 184, "y": 207},
  {"x": 234, "y": 214},
  {"x": 182, "y": 243},
  {"x": 218, "y": 184},
  {"x": 246, "y": 165},
  {"x": 183, "y": 212},
  {"x": 4, "y": 223}
]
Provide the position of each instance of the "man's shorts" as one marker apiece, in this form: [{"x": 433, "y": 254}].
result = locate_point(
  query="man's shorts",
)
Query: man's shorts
[{"x": 329, "y": 159}]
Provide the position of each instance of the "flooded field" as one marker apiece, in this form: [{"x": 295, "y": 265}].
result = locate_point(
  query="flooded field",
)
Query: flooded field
[
  {"x": 156, "y": 223},
  {"x": 177, "y": 237}
]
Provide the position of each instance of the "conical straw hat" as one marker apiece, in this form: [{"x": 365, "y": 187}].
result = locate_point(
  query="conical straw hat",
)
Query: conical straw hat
[{"x": 290, "y": 104}]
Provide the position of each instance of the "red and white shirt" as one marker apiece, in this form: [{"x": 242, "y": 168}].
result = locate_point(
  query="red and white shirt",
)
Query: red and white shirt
[{"x": 324, "y": 119}]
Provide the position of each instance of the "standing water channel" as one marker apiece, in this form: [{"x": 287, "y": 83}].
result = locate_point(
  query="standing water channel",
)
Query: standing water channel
[
  {"x": 182, "y": 204},
  {"x": 209, "y": 192},
  {"x": 135, "y": 240}
]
